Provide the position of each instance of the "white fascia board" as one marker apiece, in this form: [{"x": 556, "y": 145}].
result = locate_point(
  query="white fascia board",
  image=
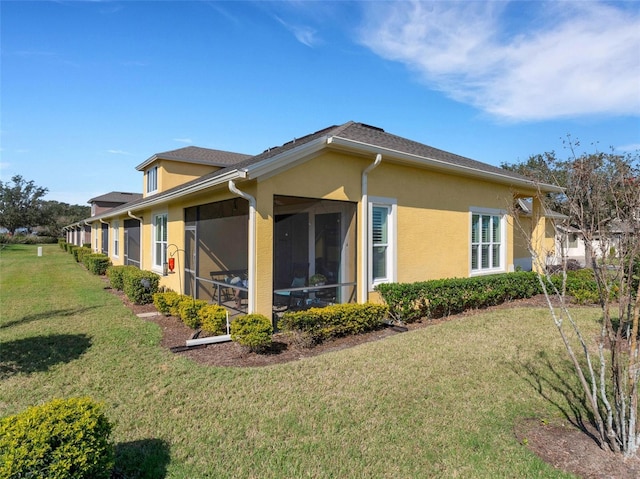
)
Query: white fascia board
[
  {"x": 408, "y": 158},
  {"x": 160, "y": 199},
  {"x": 285, "y": 159},
  {"x": 142, "y": 166}
]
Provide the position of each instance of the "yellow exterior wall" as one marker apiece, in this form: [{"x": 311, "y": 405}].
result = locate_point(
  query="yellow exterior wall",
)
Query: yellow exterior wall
[
  {"x": 423, "y": 197},
  {"x": 433, "y": 215},
  {"x": 174, "y": 173},
  {"x": 434, "y": 219},
  {"x": 522, "y": 236}
]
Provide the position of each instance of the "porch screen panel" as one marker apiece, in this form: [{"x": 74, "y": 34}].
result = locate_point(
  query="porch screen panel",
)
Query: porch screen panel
[
  {"x": 222, "y": 242},
  {"x": 105, "y": 239},
  {"x": 132, "y": 242},
  {"x": 315, "y": 237}
]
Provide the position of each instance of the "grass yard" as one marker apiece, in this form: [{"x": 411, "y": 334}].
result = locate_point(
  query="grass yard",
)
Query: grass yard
[{"x": 438, "y": 402}]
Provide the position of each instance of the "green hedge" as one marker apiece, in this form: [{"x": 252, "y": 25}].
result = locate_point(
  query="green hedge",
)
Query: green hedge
[
  {"x": 6, "y": 238},
  {"x": 253, "y": 331},
  {"x": 139, "y": 285},
  {"x": 62, "y": 439},
  {"x": 166, "y": 301},
  {"x": 320, "y": 324},
  {"x": 117, "y": 273},
  {"x": 433, "y": 299},
  {"x": 97, "y": 263},
  {"x": 80, "y": 253}
]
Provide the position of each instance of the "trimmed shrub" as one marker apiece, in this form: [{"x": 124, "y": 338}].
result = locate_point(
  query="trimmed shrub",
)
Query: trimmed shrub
[
  {"x": 433, "y": 299},
  {"x": 61, "y": 243},
  {"x": 165, "y": 301},
  {"x": 116, "y": 275},
  {"x": 213, "y": 319},
  {"x": 97, "y": 263},
  {"x": 72, "y": 251},
  {"x": 80, "y": 254},
  {"x": 61, "y": 439},
  {"x": 6, "y": 238},
  {"x": 253, "y": 331},
  {"x": 320, "y": 324},
  {"x": 139, "y": 285},
  {"x": 189, "y": 309}
]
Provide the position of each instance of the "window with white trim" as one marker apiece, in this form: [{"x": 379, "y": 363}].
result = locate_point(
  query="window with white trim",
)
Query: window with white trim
[
  {"x": 152, "y": 179},
  {"x": 487, "y": 242},
  {"x": 382, "y": 241},
  {"x": 159, "y": 240},
  {"x": 116, "y": 238}
]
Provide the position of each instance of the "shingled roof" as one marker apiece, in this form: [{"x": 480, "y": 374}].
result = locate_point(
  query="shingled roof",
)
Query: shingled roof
[
  {"x": 120, "y": 197},
  {"x": 358, "y": 136},
  {"x": 195, "y": 154}
]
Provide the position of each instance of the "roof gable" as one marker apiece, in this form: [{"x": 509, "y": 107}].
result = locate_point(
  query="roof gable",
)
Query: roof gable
[
  {"x": 197, "y": 155},
  {"x": 358, "y": 137}
]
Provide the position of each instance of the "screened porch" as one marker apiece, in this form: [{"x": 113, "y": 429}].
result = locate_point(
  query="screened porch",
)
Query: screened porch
[{"x": 314, "y": 253}]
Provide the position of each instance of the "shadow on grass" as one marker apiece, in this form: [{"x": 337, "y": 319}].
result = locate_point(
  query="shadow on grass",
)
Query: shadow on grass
[
  {"x": 552, "y": 381},
  {"x": 46, "y": 315},
  {"x": 39, "y": 353},
  {"x": 147, "y": 458}
]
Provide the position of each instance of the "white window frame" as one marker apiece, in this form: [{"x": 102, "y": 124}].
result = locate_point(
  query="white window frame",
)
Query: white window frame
[
  {"x": 502, "y": 218},
  {"x": 96, "y": 240},
  {"x": 158, "y": 263},
  {"x": 115, "y": 225},
  {"x": 152, "y": 179},
  {"x": 391, "y": 257}
]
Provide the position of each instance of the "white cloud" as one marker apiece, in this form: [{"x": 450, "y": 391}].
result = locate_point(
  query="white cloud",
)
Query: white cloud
[
  {"x": 183, "y": 140},
  {"x": 118, "y": 152},
  {"x": 631, "y": 148},
  {"x": 304, "y": 34},
  {"x": 572, "y": 59}
]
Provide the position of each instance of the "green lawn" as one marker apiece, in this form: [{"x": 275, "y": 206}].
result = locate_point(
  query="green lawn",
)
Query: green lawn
[{"x": 438, "y": 402}]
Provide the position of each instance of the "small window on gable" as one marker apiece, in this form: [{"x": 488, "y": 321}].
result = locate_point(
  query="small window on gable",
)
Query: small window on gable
[{"x": 152, "y": 179}]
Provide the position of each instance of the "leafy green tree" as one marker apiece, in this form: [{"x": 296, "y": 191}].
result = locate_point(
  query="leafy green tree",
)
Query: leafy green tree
[
  {"x": 21, "y": 204},
  {"x": 60, "y": 214},
  {"x": 544, "y": 168}
]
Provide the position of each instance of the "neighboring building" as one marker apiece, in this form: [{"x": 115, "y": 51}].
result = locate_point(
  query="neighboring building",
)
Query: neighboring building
[
  {"x": 103, "y": 203},
  {"x": 80, "y": 233},
  {"x": 318, "y": 220}
]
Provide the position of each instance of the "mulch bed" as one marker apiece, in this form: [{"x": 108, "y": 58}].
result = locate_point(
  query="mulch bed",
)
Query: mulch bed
[{"x": 561, "y": 445}]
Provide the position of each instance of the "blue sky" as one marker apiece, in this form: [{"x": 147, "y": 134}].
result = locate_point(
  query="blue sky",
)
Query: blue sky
[{"x": 91, "y": 89}]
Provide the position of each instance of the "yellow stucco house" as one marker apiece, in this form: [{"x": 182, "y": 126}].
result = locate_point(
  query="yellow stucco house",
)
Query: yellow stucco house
[{"x": 321, "y": 219}]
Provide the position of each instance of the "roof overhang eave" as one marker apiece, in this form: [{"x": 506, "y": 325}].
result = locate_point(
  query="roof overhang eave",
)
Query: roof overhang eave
[
  {"x": 425, "y": 162},
  {"x": 282, "y": 160},
  {"x": 161, "y": 198},
  {"x": 147, "y": 162}
]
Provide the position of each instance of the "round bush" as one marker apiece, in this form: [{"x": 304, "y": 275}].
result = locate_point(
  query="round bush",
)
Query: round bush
[
  {"x": 213, "y": 319},
  {"x": 189, "y": 308},
  {"x": 165, "y": 301},
  {"x": 62, "y": 439},
  {"x": 253, "y": 331}
]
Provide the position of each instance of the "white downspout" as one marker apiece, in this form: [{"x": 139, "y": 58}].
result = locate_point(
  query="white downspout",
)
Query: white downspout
[
  {"x": 364, "y": 233},
  {"x": 130, "y": 214},
  {"x": 251, "y": 273}
]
